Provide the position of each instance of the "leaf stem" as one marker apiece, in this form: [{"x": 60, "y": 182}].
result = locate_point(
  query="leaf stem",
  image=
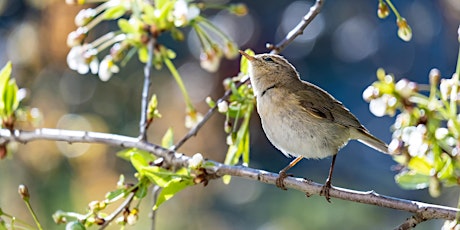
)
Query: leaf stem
[
  {"x": 179, "y": 82},
  {"x": 393, "y": 8}
]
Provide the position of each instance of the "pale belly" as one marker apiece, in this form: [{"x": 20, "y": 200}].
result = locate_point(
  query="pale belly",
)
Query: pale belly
[{"x": 293, "y": 133}]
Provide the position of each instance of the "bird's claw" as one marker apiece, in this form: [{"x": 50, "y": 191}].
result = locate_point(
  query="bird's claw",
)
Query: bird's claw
[
  {"x": 325, "y": 191},
  {"x": 280, "y": 180}
]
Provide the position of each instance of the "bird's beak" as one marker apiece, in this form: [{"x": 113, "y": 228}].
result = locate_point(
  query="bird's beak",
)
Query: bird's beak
[{"x": 249, "y": 57}]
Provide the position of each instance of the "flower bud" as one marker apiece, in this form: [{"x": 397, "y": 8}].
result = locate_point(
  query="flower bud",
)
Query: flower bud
[
  {"x": 405, "y": 88},
  {"x": 196, "y": 161},
  {"x": 222, "y": 107},
  {"x": 76, "y": 38},
  {"x": 24, "y": 192},
  {"x": 404, "y": 31},
  {"x": 211, "y": 103},
  {"x": 434, "y": 76},
  {"x": 435, "y": 187},
  {"x": 230, "y": 50},
  {"x": 238, "y": 9},
  {"x": 383, "y": 10},
  {"x": 85, "y": 16}
]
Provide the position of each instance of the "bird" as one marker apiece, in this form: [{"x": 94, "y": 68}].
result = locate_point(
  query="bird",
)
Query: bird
[{"x": 299, "y": 118}]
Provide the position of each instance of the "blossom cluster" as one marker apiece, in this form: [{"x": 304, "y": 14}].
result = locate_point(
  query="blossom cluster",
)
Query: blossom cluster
[
  {"x": 425, "y": 132},
  {"x": 140, "y": 22}
]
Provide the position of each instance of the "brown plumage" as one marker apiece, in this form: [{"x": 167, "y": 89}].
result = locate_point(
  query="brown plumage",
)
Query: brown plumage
[{"x": 299, "y": 118}]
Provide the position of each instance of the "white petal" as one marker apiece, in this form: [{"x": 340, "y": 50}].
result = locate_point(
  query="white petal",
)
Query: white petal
[{"x": 378, "y": 106}]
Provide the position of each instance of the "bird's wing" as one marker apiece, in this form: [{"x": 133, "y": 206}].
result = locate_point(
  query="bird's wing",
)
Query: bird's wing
[{"x": 326, "y": 106}]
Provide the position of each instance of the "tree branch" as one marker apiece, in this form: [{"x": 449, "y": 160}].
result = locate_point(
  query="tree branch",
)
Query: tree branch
[
  {"x": 120, "y": 209},
  {"x": 298, "y": 29},
  {"x": 411, "y": 222},
  {"x": 422, "y": 210},
  {"x": 145, "y": 92}
]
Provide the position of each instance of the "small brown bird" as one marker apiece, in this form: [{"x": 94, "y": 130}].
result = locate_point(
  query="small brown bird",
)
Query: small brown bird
[{"x": 301, "y": 119}]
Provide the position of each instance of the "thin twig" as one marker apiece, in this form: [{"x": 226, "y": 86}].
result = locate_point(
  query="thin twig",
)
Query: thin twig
[
  {"x": 410, "y": 223},
  {"x": 145, "y": 92},
  {"x": 206, "y": 117},
  {"x": 296, "y": 31},
  {"x": 171, "y": 158},
  {"x": 120, "y": 209},
  {"x": 153, "y": 214}
]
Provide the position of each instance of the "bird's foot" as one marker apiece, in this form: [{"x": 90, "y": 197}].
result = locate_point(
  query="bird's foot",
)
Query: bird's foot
[
  {"x": 280, "y": 180},
  {"x": 325, "y": 191}
]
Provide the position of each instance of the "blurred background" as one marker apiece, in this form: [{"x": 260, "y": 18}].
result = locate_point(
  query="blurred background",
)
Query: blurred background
[{"x": 340, "y": 52}]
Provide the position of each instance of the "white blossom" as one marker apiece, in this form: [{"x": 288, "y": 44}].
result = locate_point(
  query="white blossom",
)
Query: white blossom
[
  {"x": 192, "y": 119},
  {"x": 210, "y": 60},
  {"x": 82, "y": 59},
  {"x": 222, "y": 107},
  {"x": 183, "y": 13},
  {"x": 414, "y": 137},
  {"x": 405, "y": 87},
  {"x": 196, "y": 161},
  {"x": 107, "y": 68}
]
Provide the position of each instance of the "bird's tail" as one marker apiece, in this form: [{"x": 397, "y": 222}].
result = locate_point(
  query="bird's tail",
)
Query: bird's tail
[{"x": 363, "y": 136}]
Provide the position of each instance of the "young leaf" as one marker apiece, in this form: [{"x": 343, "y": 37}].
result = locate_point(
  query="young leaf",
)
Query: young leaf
[
  {"x": 140, "y": 159},
  {"x": 168, "y": 139},
  {"x": 412, "y": 180},
  {"x": 125, "y": 26},
  {"x": 171, "y": 188},
  {"x": 5, "y": 74},
  {"x": 244, "y": 62},
  {"x": 114, "y": 12},
  {"x": 152, "y": 110},
  {"x": 10, "y": 99},
  {"x": 420, "y": 165},
  {"x": 126, "y": 154},
  {"x": 115, "y": 195}
]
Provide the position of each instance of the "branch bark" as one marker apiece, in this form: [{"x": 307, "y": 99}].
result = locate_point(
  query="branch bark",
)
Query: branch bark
[{"x": 423, "y": 211}]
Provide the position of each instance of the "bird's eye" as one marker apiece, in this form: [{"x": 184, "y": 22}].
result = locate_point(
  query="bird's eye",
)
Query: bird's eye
[{"x": 268, "y": 59}]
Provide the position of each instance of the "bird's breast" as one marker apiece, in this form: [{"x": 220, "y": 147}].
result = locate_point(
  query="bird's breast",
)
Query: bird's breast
[{"x": 294, "y": 132}]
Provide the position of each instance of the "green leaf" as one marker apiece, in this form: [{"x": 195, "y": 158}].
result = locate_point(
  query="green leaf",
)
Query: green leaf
[
  {"x": 152, "y": 110},
  {"x": 412, "y": 180},
  {"x": 114, "y": 12},
  {"x": 226, "y": 179},
  {"x": 138, "y": 162},
  {"x": 125, "y": 26},
  {"x": 148, "y": 16},
  {"x": 244, "y": 64},
  {"x": 161, "y": 176},
  {"x": 2, "y": 225},
  {"x": 5, "y": 89},
  {"x": 241, "y": 143},
  {"x": 447, "y": 171},
  {"x": 140, "y": 159},
  {"x": 168, "y": 139},
  {"x": 420, "y": 165},
  {"x": 126, "y": 154},
  {"x": 10, "y": 99},
  {"x": 115, "y": 195},
  {"x": 143, "y": 190},
  {"x": 171, "y": 188},
  {"x": 143, "y": 54}
]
